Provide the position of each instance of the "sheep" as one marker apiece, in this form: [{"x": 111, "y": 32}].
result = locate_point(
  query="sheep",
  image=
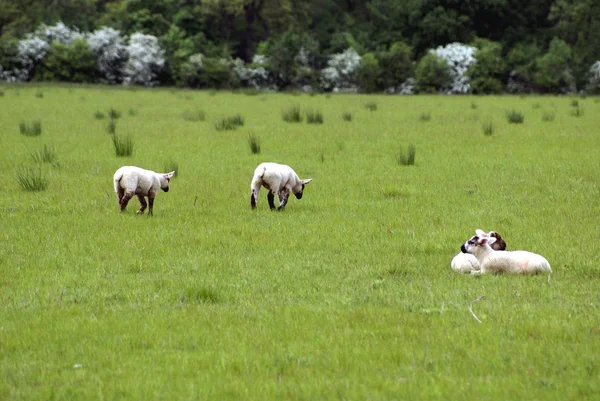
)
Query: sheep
[
  {"x": 277, "y": 179},
  {"x": 491, "y": 261},
  {"x": 465, "y": 262},
  {"x": 131, "y": 180}
]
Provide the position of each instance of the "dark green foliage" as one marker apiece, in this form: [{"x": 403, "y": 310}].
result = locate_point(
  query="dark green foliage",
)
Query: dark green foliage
[
  {"x": 194, "y": 116},
  {"x": 70, "y": 63},
  {"x": 368, "y": 74},
  {"x": 229, "y": 123},
  {"x": 32, "y": 180},
  {"x": 432, "y": 74},
  {"x": 553, "y": 68},
  {"x": 515, "y": 117},
  {"x": 292, "y": 114},
  {"x": 407, "y": 157},
  {"x": 33, "y": 129},
  {"x": 347, "y": 116},
  {"x": 489, "y": 73},
  {"x": 210, "y": 73},
  {"x": 254, "y": 144},
  {"x": 522, "y": 66},
  {"x": 488, "y": 128},
  {"x": 123, "y": 145},
  {"x": 283, "y": 62},
  {"x": 395, "y": 65},
  {"x": 314, "y": 117}
]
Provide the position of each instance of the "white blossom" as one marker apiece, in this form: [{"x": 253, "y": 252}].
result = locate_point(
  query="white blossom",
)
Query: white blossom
[
  {"x": 58, "y": 33},
  {"x": 254, "y": 75},
  {"x": 338, "y": 75},
  {"x": 594, "y": 77},
  {"x": 108, "y": 47},
  {"x": 146, "y": 60},
  {"x": 459, "y": 57}
]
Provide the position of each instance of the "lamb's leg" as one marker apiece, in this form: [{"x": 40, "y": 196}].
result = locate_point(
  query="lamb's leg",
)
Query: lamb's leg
[
  {"x": 151, "y": 197},
  {"x": 271, "y": 199},
  {"x": 254, "y": 197},
  {"x": 142, "y": 203},
  {"x": 125, "y": 200},
  {"x": 283, "y": 199},
  {"x": 120, "y": 194}
]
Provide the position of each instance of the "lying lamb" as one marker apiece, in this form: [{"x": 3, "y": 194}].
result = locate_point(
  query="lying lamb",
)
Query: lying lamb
[
  {"x": 465, "y": 262},
  {"x": 130, "y": 180},
  {"x": 277, "y": 179},
  {"x": 491, "y": 261}
]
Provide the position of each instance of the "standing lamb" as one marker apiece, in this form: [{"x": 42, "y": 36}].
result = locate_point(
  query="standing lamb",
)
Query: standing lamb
[
  {"x": 491, "y": 261},
  {"x": 465, "y": 262},
  {"x": 130, "y": 180},
  {"x": 277, "y": 179}
]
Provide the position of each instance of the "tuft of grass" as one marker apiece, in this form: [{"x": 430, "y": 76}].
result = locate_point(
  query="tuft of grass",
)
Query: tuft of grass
[
  {"x": 292, "y": 114},
  {"x": 536, "y": 105},
  {"x": 347, "y": 116},
  {"x": 98, "y": 115},
  {"x": 575, "y": 103},
  {"x": 372, "y": 106},
  {"x": 548, "y": 116},
  {"x": 123, "y": 145},
  {"x": 113, "y": 114},
  {"x": 39, "y": 94},
  {"x": 254, "y": 144},
  {"x": 577, "y": 112},
  {"x": 194, "y": 116},
  {"x": 1, "y": 93},
  {"x": 322, "y": 157},
  {"x": 473, "y": 105},
  {"x": 202, "y": 295},
  {"x": 45, "y": 155},
  {"x": 425, "y": 117},
  {"x": 229, "y": 123},
  {"x": 488, "y": 128},
  {"x": 111, "y": 127},
  {"x": 32, "y": 180},
  {"x": 407, "y": 158},
  {"x": 314, "y": 117},
  {"x": 33, "y": 129},
  {"x": 132, "y": 112},
  {"x": 514, "y": 117},
  {"x": 171, "y": 165}
]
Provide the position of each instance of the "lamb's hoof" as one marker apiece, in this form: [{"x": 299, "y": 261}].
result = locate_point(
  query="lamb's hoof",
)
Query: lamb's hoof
[
  {"x": 139, "y": 212},
  {"x": 280, "y": 209}
]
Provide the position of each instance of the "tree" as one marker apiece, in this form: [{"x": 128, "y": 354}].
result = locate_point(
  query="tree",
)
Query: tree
[
  {"x": 553, "y": 71},
  {"x": 73, "y": 62},
  {"x": 488, "y": 73},
  {"x": 396, "y": 65},
  {"x": 432, "y": 74}
]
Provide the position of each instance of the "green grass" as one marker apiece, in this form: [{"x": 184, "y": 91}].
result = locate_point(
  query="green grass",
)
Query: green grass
[
  {"x": 254, "y": 144},
  {"x": 31, "y": 180},
  {"x": 314, "y": 117},
  {"x": 194, "y": 116},
  {"x": 348, "y": 294},
  {"x": 514, "y": 117},
  {"x": 407, "y": 157},
  {"x": 488, "y": 128},
  {"x": 292, "y": 114},
  {"x": 45, "y": 155},
  {"x": 33, "y": 129},
  {"x": 229, "y": 123}
]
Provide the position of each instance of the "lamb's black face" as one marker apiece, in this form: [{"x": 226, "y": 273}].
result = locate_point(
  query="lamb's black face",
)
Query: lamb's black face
[
  {"x": 166, "y": 189},
  {"x": 298, "y": 195},
  {"x": 473, "y": 242}
]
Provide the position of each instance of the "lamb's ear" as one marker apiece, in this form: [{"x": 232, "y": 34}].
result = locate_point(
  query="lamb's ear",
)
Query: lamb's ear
[
  {"x": 491, "y": 240},
  {"x": 306, "y": 181},
  {"x": 170, "y": 175},
  {"x": 480, "y": 233}
]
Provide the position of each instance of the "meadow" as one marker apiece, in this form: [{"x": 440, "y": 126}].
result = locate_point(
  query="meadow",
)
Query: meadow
[{"x": 347, "y": 294}]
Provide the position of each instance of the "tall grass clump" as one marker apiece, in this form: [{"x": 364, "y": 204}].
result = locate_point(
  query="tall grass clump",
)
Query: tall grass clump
[
  {"x": 31, "y": 180},
  {"x": 45, "y": 155},
  {"x": 113, "y": 114},
  {"x": 98, "y": 115},
  {"x": 132, "y": 112},
  {"x": 372, "y": 106},
  {"x": 33, "y": 129},
  {"x": 1, "y": 93},
  {"x": 425, "y": 117},
  {"x": 577, "y": 112},
  {"x": 347, "y": 116},
  {"x": 407, "y": 158},
  {"x": 229, "y": 123},
  {"x": 202, "y": 295},
  {"x": 314, "y": 117},
  {"x": 111, "y": 127},
  {"x": 39, "y": 94},
  {"x": 194, "y": 116},
  {"x": 575, "y": 103},
  {"x": 515, "y": 117},
  {"x": 548, "y": 116},
  {"x": 488, "y": 128},
  {"x": 254, "y": 144},
  {"x": 171, "y": 165},
  {"x": 292, "y": 114},
  {"x": 123, "y": 145},
  {"x": 473, "y": 105}
]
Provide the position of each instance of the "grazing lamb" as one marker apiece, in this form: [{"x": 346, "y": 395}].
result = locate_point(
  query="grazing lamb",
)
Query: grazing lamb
[
  {"x": 465, "y": 262},
  {"x": 491, "y": 261},
  {"x": 130, "y": 180},
  {"x": 277, "y": 179}
]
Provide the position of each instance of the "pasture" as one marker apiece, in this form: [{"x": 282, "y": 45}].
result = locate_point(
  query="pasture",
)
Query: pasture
[{"x": 347, "y": 294}]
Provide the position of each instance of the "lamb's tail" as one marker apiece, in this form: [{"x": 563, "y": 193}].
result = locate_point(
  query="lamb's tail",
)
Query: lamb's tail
[
  {"x": 117, "y": 180},
  {"x": 259, "y": 173}
]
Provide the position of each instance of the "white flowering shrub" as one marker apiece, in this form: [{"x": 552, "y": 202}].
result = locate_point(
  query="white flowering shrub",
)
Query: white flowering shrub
[
  {"x": 459, "y": 57},
  {"x": 58, "y": 33},
  {"x": 407, "y": 87},
  {"x": 110, "y": 51},
  {"x": 32, "y": 51},
  {"x": 146, "y": 60},
  {"x": 594, "y": 77},
  {"x": 339, "y": 74},
  {"x": 254, "y": 75}
]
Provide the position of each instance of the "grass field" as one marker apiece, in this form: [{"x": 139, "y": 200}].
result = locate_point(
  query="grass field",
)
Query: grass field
[{"x": 347, "y": 294}]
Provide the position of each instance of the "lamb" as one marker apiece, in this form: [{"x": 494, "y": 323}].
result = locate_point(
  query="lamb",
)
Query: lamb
[
  {"x": 465, "y": 262},
  {"x": 491, "y": 261},
  {"x": 130, "y": 180},
  {"x": 277, "y": 179}
]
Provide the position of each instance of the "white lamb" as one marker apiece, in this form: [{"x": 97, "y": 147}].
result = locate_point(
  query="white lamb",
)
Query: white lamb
[
  {"x": 130, "y": 180},
  {"x": 277, "y": 179},
  {"x": 491, "y": 261},
  {"x": 465, "y": 262}
]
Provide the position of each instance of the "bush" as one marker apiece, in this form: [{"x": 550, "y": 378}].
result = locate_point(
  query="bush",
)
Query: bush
[
  {"x": 459, "y": 58},
  {"x": 290, "y": 59},
  {"x": 553, "y": 68},
  {"x": 110, "y": 52},
  {"x": 395, "y": 66},
  {"x": 368, "y": 74},
  {"x": 69, "y": 63},
  {"x": 432, "y": 74},
  {"x": 521, "y": 64},
  {"x": 340, "y": 74},
  {"x": 146, "y": 60},
  {"x": 489, "y": 72},
  {"x": 206, "y": 72},
  {"x": 593, "y": 82}
]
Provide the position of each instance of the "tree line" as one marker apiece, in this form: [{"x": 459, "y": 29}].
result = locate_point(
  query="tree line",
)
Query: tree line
[{"x": 400, "y": 46}]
